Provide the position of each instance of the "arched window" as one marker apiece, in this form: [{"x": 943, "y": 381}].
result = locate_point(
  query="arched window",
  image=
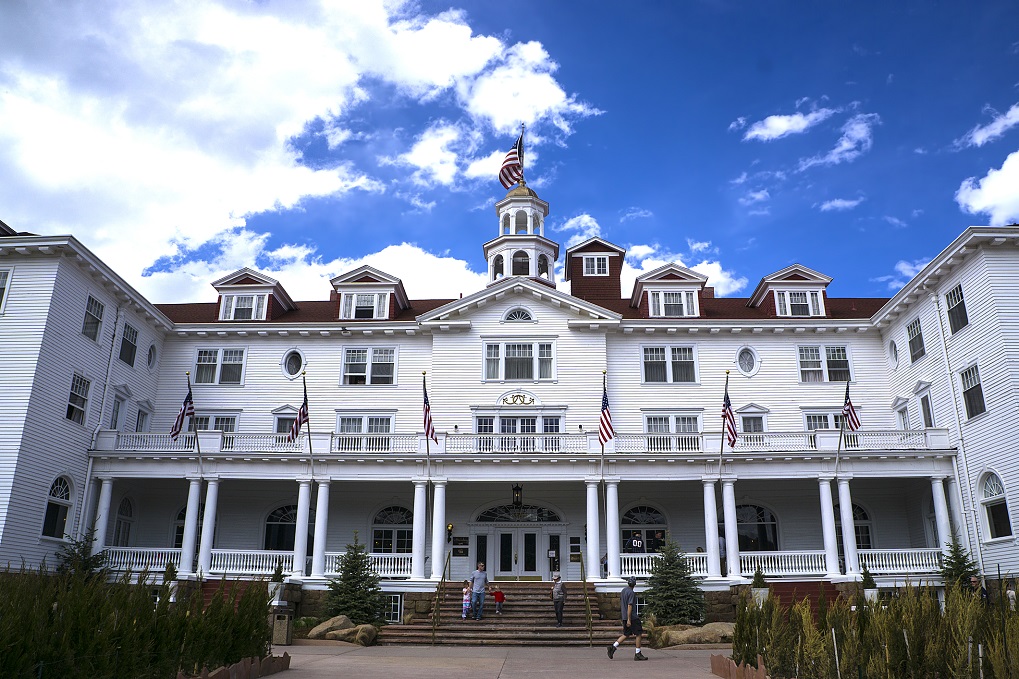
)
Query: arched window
[
  {"x": 543, "y": 271},
  {"x": 757, "y": 528},
  {"x": 392, "y": 532},
  {"x": 538, "y": 225},
  {"x": 281, "y": 528},
  {"x": 643, "y": 529},
  {"x": 519, "y": 315},
  {"x": 992, "y": 497},
  {"x": 513, "y": 513},
  {"x": 506, "y": 223},
  {"x": 521, "y": 263},
  {"x": 497, "y": 266},
  {"x": 122, "y": 528},
  {"x": 181, "y": 520},
  {"x": 57, "y": 508},
  {"x": 521, "y": 222},
  {"x": 861, "y": 525}
]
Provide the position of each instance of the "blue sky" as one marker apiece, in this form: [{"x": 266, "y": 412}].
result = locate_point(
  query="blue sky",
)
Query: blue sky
[{"x": 182, "y": 141}]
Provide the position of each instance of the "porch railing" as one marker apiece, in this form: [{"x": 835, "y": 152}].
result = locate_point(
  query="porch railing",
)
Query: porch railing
[
  {"x": 385, "y": 565},
  {"x": 516, "y": 443},
  {"x": 256, "y": 442},
  {"x": 374, "y": 443},
  {"x": 137, "y": 559},
  {"x": 784, "y": 563},
  {"x": 641, "y": 565},
  {"x": 795, "y": 440},
  {"x": 129, "y": 441},
  {"x": 237, "y": 562},
  {"x": 659, "y": 443},
  {"x": 901, "y": 561}
]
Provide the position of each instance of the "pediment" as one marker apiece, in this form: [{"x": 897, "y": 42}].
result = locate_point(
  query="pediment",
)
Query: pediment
[
  {"x": 793, "y": 276},
  {"x": 752, "y": 409},
  {"x": 671, "y": 275},
  {"x": 245, "y": 277},
  {"x": 899, "y": 402},
  {"x": 365, "y": 274},
  {"x": 921, "y": 386},
  {"x": 284, "y": 410}
]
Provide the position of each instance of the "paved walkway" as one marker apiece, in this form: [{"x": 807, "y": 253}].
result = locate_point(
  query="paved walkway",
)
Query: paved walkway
[{"x": 329, "y": 660}]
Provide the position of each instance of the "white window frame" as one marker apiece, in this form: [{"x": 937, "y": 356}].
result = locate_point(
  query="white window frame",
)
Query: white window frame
[
  {"x": 537, "y": 356},
  {"x": 117, "y": 412},
  {"x": 987, "y": 501},
  {"x": 656, "y": 303},
  {"x": 284, "y": 361},
  {"x": 814, "y": 302},
  {"x": 675, "y": 430},
  {"x": 954, "y": 299},
  {"x": 123, "y": 524},
  {"x": 152, "y": 357},
  {"x": 757, "y": 361},
  {"x": 669, "y": 377},
  {"x": 823, "y": 350},
  {"x": 60, "y": 502},
  {"x": 913, "y": 330},
  {"x": 518, "y": 311},
  {"x": 549, "y": 426},
  {"x": 142, "y": 421},
  {"x": 833, "y": 418},
  {"x": 77, "y": 382},
  {"x": 927, "y": 412},
  {"x": 369, "y": 364},
  {"x": 369, "y": 436},
  {"x": 969, "y": 378},
  {"x": 902, "y": 418},
  {"x": 217, "y": 373},
  {"x": 258, "y": 303},
  {"x": 349, "y": 305},
  {"x": 593, "y": 264},
  {"x": 92, "y": 305},
  {"x": 6, "y": 274},
  {"x": 129, "y": 342}
]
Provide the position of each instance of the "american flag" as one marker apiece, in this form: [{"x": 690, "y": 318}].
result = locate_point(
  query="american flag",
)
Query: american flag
[
  {"x": 849, "y": 415},
  {"x": 513, "y": 166},
  {"x": 605, "y": 432},
  {"x": 187, "y": 409},
  {"x": 728, "y": 417},
  {"x": 301, "y": 419},
  {"x": 429, "y": 425}
]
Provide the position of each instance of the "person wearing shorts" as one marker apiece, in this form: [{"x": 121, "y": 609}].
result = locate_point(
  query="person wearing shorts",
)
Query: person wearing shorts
[{"x": 631, "y": 621}]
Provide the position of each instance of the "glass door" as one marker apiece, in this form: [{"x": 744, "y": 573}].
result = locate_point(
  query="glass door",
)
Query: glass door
[{"x": 517, "y": 553}]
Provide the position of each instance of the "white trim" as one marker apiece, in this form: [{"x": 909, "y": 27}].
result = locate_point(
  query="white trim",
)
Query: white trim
[
  {"x": 369, "y": 363},
  {"x": 668, "y": 347}
]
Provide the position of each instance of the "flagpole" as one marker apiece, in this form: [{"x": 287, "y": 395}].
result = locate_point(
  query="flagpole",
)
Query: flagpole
[
  {"x": 198, "y": 446},
  {"x": 522, "y": 181},
  {"x": 311, "y": 452},
  {"x": 842, "y": 433},
  {"x": 601, "y": 462},
  {"x": 721, "y": 443}
]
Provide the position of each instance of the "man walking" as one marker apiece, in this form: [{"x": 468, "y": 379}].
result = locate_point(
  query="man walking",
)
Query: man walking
[
  {"x": 479, "y": 583},
  {"x": 631, "y": 621}
]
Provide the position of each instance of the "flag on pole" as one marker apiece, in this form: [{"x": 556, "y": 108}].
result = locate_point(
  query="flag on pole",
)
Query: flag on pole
[
  {"x": 429, "y": 425},
  {"x": 187, "y": 409},
  {"x": 728, "y": 417},
  {"x": 513, "y": 165},
  {"x": 605, "y": 432},
  {"x": 849, "y": 415},
  {"x": 302, "y": 416}
]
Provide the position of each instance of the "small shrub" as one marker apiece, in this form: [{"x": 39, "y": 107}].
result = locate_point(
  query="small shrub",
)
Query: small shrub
[
  {"x": 868, "y": 580},
  {"x": 758, "y": 581},
  {"x": 673, "y": 596},
  {"x": 356, "y": 592}
]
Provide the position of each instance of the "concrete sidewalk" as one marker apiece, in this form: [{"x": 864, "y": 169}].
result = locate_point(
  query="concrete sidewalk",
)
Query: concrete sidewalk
[{"x": 322, "y": 660}]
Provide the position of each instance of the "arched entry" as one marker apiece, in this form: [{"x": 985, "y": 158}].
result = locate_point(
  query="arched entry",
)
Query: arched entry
[{"x": 522, "y": 542}]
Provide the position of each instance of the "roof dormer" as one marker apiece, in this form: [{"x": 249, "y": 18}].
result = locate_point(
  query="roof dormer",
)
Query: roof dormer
[
  {"x": 793, "y": 292},
  {"x": 670, "y": 291},
  {"x": 247, "y": 295},
  {"x": 367, "y": 294},
  {"x": 594, "y": 268}
]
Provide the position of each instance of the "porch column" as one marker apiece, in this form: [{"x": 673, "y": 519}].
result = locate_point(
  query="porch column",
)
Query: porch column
[
  {"x": 187, "y": 545},
  {"x": 438, "y": 528},
  {"x": 848, "y": 528},
  {"x": 731, "y": 530},
  {"x": 208, "y": 527},
  {"x": 102, "y": 514},
  {"x": 301, "y": 538},
  {"x": 593, "y": 564},
  {"x": 318, "y": 551},
  {"x": 831, "y": 549},
  {"x": 711, "y": 529},
  {"x": 612, "y": 528},
  {"x": 941, "y": 512},
  {"x": 417, "y": 557}
]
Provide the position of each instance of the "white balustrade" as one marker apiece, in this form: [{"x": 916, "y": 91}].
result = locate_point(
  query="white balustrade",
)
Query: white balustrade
[
  {"x": 237, "y": 562},
  {"x": 641, "y": 565},
  {"x": 266, "y": 442},
  {"x": 783, "y": 563},
  {"x": 659, "y": 443},
  {"x": 901, "y": 561},
  {"x": 516, "y": 443},
  {"x": 136, "y": 559},
  {"x": 784, "y": 441},
  {"x": 374, "y": 443},
  {"x": 132, "y": 441},
  {"x": 384, "y": 565}
]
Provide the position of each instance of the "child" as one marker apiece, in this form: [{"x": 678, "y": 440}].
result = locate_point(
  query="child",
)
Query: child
[
  {"x": 467, "y": 600},
  {"x": 499, "y": 598}
]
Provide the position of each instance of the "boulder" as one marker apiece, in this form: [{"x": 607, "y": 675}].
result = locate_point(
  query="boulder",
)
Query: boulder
[
  {"x": 712, "y": 633},
  {"x": 363, "y": 635},
  {"x": 340, "y": 622}
]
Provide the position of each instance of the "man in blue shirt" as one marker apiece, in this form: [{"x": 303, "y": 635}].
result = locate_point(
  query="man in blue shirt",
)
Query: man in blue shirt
[
  {"x": 479, "y": 583},
  {"x": 631, "y": 621}
]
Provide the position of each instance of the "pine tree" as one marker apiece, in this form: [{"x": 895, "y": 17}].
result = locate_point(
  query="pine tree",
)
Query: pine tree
[
  {"x": 958, "y": 566},
  {"x": 673, "y": 597},
  {"x": 356, "y": 592}
]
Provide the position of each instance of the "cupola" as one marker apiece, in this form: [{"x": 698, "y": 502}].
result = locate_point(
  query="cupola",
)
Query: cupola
[{"x": 521, "y": 248}]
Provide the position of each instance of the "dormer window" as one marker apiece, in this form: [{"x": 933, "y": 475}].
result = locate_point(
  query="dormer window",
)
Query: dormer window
[
  {"x": 799, "y": 303},
  {"x": 242, "y": 308},
  {"x": 672, "y": 304},
  {"x": 596, "y": 265},
  {"x": 368, "y": 306}
]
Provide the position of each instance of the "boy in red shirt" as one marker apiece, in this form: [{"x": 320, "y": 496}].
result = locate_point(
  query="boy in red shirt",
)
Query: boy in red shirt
[{"x": 499, "y": 597}]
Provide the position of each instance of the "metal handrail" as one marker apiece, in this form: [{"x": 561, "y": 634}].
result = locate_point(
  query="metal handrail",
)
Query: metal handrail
[
  {"x": 587, "y": 605},
  {"x": 440, "y": 594}
]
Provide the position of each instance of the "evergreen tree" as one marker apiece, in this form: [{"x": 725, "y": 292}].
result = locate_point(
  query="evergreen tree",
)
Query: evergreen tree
[
  {"x": 958, "y": 565},
  {"x": 356, "y": 592},
  {"x": 673, "y": 596},
  {"x": 75, "y": 557}
]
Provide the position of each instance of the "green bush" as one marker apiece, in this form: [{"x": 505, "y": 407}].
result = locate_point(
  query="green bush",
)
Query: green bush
[
  {"x": 356, "y": 592},
  {"x": 673, "y": 597}
]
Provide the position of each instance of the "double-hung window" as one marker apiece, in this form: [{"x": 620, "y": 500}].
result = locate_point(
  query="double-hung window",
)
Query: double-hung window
[
  {"x": 824, "y": 364},
  {"x": 365, "y": 305},
  {"x": 927, "y": 411},
  {"x": 916, "y": 348},
  {"x": 798, "y": 303},
  {"x": 369, "y": 365},
  {"x": 672, "y": 304},
  {"x": 141, "y": 421},
  {"x": 93, "y": 320},
  {"x": 363, "y": 433},
  {"x": 116, "y": 412},
  {"x": 128, "y": 345},
  {"x": 972, "y": 393},
  {"x": 224, "y": 423},
  {"x": 596, "y": 265},
  {"x": 243, "y": 308},
  {"x": 957, "y": 319},
  {"x": 5, "y": 280},
  {"x": 77, "y": 400},
  {"x": 669, "y": 364},
  {"x": 524, "y": 433},
  {"x": 219, "y": 366},
  {"x": 519, "y": 361},
  {"x": 672, "y": 432}
]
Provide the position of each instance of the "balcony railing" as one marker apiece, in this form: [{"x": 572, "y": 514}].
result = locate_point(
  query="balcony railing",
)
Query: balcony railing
[
  {"x": 251, "y": 562},
  {"x": 641, "y": 565},
  {"x": 783, "y": 563},
  {"x": 660, "y": 443},
  {"x": 374, "y": 443},
  {"x": 137, "y": 559},
  {"x": 516, "y": 443},
  {"x": 901, "y": 561},
  {"x": 385, "y": 565}
]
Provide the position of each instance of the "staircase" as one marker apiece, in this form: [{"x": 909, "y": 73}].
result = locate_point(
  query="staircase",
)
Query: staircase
[{"x": 527, "y": 619}]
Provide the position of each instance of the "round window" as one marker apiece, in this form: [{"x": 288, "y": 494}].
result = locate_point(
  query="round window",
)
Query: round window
[
  {"x": 151, "y": 360},
  {"x": 293, "y": 362},
  {"x": 893, "y": 354},
  {"x": 747, "y": 361}
]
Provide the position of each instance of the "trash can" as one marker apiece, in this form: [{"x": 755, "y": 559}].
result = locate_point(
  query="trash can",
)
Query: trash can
[{"x": 282, "y": 626}]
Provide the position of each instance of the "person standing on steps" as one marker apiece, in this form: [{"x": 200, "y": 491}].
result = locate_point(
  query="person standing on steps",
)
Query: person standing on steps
[
  {"x": 479, "y": 583},
  {"x": 631, "y": 621},
  {"x": 558, "y": 596},
  {"x": 467, "y": 600},
  {"x": 499, "y": 597}
]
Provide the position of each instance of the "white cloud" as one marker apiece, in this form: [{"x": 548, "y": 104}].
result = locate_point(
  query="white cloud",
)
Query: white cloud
[
  {"x": 994, "y": 194},
  {"x": 739, "y": 180},
  {"x": 856, "y": 139},
  {"x": 698, "y": 246},
  {"x": 904, "y": 271},
  {"x": 585, "y": 227},
  {"x": 636, "y": 213},
  {"x": 432, "y": 157},
  {"x": 738, "y": 124},
  {"x": 752, "y": 197},
  {"x": 723, "y": 280},
  {"x": 840, "y": 204},
  {"x": 639, "y": 252},
  {"x": 982, "y": 134},
  {"x": 895, "y": 221},
  {"x": 776, "y": 127}
]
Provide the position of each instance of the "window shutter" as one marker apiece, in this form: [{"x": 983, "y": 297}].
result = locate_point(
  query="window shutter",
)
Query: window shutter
[
  {"x": 224, "y": 312},
  {"x": 348, "y": 306}
]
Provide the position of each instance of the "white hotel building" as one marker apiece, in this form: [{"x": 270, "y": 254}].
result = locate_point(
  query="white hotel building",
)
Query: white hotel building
[{"x": 95, "y": 375}]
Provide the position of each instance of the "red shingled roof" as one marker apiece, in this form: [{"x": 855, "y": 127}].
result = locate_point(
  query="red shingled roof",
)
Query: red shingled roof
[{"x": 306, "y": 312}]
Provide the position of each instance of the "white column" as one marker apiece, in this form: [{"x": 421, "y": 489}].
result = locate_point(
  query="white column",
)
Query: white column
[
  {"x": 438, "y": 528},
  {"x": 941, "y": 512},
  {"x": 417, "y": 557},
  {"x": 593, "y": 564},
  {"x": 731, "y": 530},
  {"x": 831, "y": 549},
  {"x": 711, "y": 529},
  {"x": 318, "y": 551},
  {"x": 208, "y": 527},
  {"x": 848, "y": 528},
  {"x": 102, "y": 514},
  {"x": 187, "y": 545},
  {"x": 301, "y": 538},
  {"x": 612, "y": 528}
]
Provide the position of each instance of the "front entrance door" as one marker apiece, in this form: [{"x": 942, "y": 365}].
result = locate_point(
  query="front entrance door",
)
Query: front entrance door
[{"x": 517, "y": 554}]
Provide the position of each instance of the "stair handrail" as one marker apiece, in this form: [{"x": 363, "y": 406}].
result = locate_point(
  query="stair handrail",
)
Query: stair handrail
[
  {"x": 587, "y": 605},
  {"x": 440, "y": 591}
]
